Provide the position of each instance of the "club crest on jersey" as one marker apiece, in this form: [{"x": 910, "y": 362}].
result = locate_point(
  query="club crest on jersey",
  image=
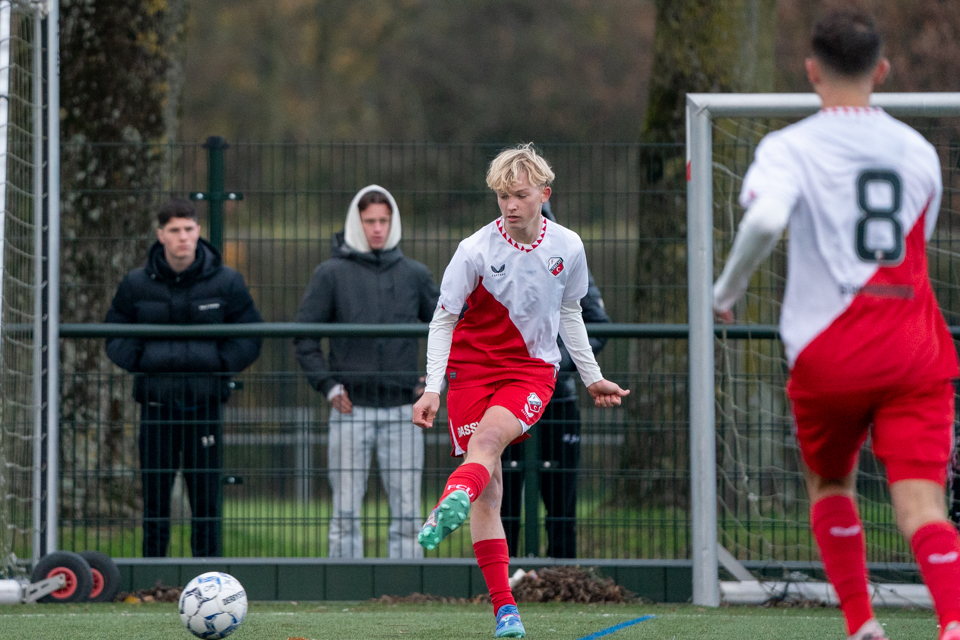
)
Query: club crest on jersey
[
  {"x": 533, "y": 406},
  {"x": 498, "y": 272},
  {"x": 555, "y": 265}
]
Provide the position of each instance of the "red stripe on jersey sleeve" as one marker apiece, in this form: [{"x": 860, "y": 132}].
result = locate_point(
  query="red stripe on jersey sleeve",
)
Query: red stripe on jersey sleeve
[
  {"x": 892, "y": 333},
  {"x": 488, "y": 347}
]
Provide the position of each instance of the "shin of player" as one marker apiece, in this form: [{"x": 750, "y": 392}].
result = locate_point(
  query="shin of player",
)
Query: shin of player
[
  {"x": 521, "y": 279},
  {"x": 868, "y": 348}
]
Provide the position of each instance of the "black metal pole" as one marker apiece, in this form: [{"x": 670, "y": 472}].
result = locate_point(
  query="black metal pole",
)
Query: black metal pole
[
  {"x": 531, "y": 495},
  {"x": 215, "y": 180}
]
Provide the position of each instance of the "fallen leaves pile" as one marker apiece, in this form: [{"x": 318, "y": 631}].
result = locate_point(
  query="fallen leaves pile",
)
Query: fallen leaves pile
[
  {"x": 550, "y": 584},
  {"x": 570, "y": 584},
  {"x": 158, "y": 593}
]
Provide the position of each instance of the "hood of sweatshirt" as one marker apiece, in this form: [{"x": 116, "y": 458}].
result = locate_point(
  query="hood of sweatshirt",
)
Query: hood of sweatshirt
[{"x": 353, "y": 234}]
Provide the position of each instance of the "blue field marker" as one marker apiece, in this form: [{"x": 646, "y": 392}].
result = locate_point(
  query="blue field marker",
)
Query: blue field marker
[{"x": 617, "y": 627}]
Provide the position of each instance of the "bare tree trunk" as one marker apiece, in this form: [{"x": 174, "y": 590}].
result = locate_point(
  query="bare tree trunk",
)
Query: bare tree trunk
[
  {"x": 700, "y": 46},
  {"x": 120, "y": 83}
]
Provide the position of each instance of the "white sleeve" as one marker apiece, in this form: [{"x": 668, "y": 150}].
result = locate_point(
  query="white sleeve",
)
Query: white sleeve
[
  {"x": 574, "y": 335},
  {"x": 438, "y": 347},
  {"x": 773, "y": 172},
  {"x": 460, "y": 279},
  {"x": 759, "y": 232},
  {"x": 578, "y": 280}
]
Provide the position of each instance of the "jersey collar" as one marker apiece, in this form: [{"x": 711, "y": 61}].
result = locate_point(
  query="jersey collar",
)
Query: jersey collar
[
  {"x": 519, "y": 245},
  {"x": 858, "y": 111}
]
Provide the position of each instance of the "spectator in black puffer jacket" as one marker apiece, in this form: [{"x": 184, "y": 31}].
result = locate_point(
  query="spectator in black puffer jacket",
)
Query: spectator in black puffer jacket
[
  {"x": 559, "y": 435},
  {"x": 180, "y": 383}
]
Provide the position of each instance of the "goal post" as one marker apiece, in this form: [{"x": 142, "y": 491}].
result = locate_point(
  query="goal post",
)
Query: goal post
[
  {"x": 702, "y": 112},
  {"x": 29, "y": 244}
]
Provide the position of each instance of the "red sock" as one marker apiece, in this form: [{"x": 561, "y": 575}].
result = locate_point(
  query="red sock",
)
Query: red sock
[
  {"x": 494, "y": 560},
  {"x": 471, "y": 477},
  {"x": 936, "y": 546},
  {"x": 839, "y": 533}
]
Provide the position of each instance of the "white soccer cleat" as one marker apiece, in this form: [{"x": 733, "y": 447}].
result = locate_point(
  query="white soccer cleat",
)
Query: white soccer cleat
[
  {"x": 952, "y": 632},
  {"x": 871, "y": 630}
]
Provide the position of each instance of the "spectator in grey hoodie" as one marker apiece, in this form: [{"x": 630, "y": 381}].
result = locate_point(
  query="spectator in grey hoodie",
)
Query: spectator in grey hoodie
[{"x": 371, "y": 383}]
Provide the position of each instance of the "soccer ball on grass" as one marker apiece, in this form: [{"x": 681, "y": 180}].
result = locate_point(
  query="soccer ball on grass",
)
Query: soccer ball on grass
[{"x": 213, "y": 605}]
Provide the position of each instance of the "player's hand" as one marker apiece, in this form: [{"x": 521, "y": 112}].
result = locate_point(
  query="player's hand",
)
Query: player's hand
[
  {"x": 342, "y": 403},
  {"x": 425, "y": 409},
  {"x": 606, "y": 393},
  {"x": 726, "y": 317}
]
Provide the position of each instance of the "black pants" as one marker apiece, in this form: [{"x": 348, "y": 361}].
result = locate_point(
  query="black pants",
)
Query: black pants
[
  {"x": 559, "y": 433},
  {"x": 170, "y": 436}
]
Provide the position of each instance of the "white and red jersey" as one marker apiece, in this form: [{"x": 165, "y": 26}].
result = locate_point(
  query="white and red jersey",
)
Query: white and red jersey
[
  {"x": 864, "y": 192},
  {"x": 513, "y": 292}
]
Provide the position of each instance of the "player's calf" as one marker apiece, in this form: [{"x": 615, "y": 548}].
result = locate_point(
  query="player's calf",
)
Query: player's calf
[{"x": 463, "y": 487}]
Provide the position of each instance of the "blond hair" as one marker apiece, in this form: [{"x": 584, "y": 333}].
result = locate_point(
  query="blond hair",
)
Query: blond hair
[{"x": 505, "y": 170}]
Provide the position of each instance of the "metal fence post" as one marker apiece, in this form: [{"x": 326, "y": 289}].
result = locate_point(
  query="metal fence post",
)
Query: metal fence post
[
  {"x": 215, "y": 193},
  {"x": 531, "y": 494},
  {"x": 303, "y": 454}
]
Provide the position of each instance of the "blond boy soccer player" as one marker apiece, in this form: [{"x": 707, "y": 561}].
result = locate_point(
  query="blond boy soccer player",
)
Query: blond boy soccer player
[
  {"x": 868, "y": 349},
  {"x": 522, "y": 278}
]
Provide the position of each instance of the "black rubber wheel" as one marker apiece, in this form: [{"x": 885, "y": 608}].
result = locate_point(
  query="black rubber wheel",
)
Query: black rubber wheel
[
  {"x": 74, "y": 568},
  {"x": 106, "y": 576}
]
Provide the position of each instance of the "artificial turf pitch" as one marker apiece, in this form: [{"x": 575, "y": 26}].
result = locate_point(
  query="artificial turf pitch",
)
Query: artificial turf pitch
[{"x": 358, "y": 621}]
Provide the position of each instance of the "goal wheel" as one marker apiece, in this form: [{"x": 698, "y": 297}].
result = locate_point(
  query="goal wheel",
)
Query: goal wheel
[
  {"x": 106, "y": 576},
  {"x": 72, "y": 567}
]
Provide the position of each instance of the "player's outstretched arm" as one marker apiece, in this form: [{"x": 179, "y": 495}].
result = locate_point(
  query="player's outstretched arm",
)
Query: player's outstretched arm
[
  {"x": 606, "y": 393},
  {"x": 426, "y": 409},
  {"x": 438, "y": 351},
  {"x": 759, "y": 232}
]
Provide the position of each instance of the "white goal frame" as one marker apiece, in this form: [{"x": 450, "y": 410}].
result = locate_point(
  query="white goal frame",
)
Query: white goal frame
[
  {"x": 702, "y": 108},
  {"x": 45, "y": 219}
]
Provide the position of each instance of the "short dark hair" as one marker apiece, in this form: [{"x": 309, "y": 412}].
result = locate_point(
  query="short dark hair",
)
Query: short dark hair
[
  {"x": 847, "y": 42},
  {"x": 373, "y": 197},
  {"x": 175, "y": 208}
]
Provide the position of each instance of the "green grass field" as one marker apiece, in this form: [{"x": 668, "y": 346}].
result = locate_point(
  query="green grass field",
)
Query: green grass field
[{"x": 358, "y": 621}]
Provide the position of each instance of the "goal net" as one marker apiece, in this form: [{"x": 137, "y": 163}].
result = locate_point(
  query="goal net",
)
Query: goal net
[
  {"x": 20, "y": 158},
  {"x": 761, "y": 502}
]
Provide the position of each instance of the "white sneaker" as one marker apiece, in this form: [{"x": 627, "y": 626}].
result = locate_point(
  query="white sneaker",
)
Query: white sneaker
[
  {"x": 952, "y": 632},
  {"x": 871, "y": 630}
]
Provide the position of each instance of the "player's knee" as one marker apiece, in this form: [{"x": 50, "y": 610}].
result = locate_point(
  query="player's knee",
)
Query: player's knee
[
  {"x": 911, "y": 518},
  {"x": 916, "y": 503},
  {"x": 486, "y": 443}
]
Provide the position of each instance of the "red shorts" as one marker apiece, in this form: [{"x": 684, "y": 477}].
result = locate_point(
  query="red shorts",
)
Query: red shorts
[
  {"x": 912, "y": 429},
  {"x": 466, "y": 406}
]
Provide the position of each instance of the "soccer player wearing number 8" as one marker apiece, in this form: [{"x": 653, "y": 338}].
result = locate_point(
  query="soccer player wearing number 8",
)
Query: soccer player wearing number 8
[
  {"x": 522, "y": 278},
  {"x": 868, "y": 349}
]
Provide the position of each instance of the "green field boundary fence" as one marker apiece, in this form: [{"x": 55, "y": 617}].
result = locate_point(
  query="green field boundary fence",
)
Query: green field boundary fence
[{"x": 273, "y": 210}]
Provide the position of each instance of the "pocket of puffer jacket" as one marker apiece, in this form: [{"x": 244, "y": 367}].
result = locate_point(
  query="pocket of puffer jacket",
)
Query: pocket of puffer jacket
[
  {"x": 153, "y": 312},
  {"x": 209, "y": 311}
]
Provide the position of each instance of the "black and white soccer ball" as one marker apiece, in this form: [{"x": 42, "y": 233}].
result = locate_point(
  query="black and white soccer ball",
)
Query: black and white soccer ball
[{"x": 213, "y": 605}]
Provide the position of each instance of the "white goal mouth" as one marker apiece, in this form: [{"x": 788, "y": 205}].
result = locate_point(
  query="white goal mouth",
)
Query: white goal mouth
[{"x": 749, "y": 502}]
